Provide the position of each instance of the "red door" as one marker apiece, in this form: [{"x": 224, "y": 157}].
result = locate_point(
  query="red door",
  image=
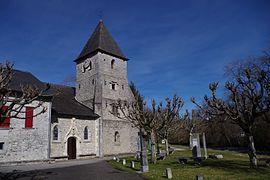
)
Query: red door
[{"x": 72, "y": 148}]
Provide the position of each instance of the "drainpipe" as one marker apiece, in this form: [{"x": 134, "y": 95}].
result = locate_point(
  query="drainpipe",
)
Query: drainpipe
[{"x": 49, "y": 131}]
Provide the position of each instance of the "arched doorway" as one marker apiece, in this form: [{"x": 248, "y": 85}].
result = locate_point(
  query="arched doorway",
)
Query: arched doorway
[{"x": 71, "y": 150}]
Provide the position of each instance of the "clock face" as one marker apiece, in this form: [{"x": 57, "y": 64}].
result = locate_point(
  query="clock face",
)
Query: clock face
[{"x": 86, "y": 66}]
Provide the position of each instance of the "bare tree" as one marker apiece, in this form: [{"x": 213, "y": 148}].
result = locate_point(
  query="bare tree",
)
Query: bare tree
[
  {"x": 140, "y": 116},
  {"x": 166, "y": 117},
  {"x": 188, "y": 123},
  {"x": 12, "y": 103},
  {"x": 248, "y": 97}
]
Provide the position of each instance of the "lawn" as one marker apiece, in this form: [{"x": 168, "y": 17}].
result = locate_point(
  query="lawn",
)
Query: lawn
[{"x": 234, "y": 165}]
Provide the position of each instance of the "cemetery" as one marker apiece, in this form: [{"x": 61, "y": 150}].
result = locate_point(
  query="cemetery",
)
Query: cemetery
[{"x": 219, "y": 164}]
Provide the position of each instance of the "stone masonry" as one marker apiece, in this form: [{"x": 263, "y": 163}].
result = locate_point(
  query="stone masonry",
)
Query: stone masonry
[
  {"x": 24, "y": 144},
  {"x": 101, "y": 82}
]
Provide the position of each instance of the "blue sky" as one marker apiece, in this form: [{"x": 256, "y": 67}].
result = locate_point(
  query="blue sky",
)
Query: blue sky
[{"x": 174, "y": 46}]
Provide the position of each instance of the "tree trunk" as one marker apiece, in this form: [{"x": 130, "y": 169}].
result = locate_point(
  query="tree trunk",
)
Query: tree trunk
[
  {"x": 166, "y": 147},
  {"x": 252, "y": 153},
  {"x": 153, "y": 148},
  {"x": 225, "y": 135}
]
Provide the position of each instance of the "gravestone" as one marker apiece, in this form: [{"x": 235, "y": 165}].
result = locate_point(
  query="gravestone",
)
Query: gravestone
[
  {"x": 132, "y": 164},
  {"x": 199, "y": 177},
  {"x": 219, "y": 156},
  {"x": 169, "y": 173},
  {"x": 124, "y": 162},
  {"x": 195, "y": 142},
  {"x": 143, "y": 153}
]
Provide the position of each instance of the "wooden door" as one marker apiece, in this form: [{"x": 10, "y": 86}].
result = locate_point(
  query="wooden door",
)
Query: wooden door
[{"x": 71, "y": 148}]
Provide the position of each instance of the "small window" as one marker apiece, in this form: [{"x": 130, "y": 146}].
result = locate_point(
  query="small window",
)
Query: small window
[
  {"x": 2, "y": 145},
  {"x": 93, "y": 81},
  {"x": 113, "y": 86},
  {"x": 112, "y": 64},
  {"x": 123, "y": 86},
  {"x": 55, "y": 133},
  {"x": 105, "y": 83},
  {"x": 85, "y": 133},
  {"x": 117, "y": 137}
]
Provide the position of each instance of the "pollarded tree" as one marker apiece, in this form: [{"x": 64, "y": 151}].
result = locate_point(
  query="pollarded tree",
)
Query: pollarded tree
[
  {"x": 141, "y": 117},
  {"x": 12, "y": 102},
  {"x": 248, "y": 97},
  {"x": 166, "y": 116},
  {"x": 188, "y": 123}
]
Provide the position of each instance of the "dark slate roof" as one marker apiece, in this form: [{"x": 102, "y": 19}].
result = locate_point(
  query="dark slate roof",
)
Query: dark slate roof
[
  {"x": 64, "y": 103},
  {"x": 63, "y": 97},
  {"x": 101, "y": 40},
  {"x": 22, "y": 78}
]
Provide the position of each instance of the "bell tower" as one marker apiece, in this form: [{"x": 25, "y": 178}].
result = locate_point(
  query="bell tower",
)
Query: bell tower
[{"x": 101, "y": 77}]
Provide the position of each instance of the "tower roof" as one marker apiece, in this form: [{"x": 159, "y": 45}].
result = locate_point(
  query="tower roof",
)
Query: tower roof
[{"x": 101, "y": 40}]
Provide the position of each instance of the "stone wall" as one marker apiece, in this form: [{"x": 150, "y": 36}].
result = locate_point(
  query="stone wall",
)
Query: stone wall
[
  {"x": 127, "y": 142},
  {"x": 102, "y": 76},
  {"x": 107, "y": 85},
  {"x": 74, "y": 128},
  {"x": 26, "y": 144}
]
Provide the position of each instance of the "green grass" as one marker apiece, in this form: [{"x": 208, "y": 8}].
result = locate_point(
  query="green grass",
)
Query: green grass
[{"x": 235, "y": 165}]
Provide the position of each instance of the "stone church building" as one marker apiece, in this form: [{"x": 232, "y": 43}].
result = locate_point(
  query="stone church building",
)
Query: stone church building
[{"x": 80, "y": 121}]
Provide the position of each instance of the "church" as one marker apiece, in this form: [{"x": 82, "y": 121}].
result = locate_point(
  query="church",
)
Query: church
[{"x": 80, "y": 122}]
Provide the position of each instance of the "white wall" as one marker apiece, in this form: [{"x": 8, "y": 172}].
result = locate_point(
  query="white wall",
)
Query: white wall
[{"x": 24, "y": 144}]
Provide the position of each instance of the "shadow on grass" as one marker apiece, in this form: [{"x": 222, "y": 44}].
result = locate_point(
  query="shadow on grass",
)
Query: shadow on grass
[
  {"x": 233, "y": 166},
  {"x": 243, "y": 150}
]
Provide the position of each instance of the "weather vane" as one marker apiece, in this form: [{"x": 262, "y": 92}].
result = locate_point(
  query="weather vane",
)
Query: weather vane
[{"x": 100, "y": 14}]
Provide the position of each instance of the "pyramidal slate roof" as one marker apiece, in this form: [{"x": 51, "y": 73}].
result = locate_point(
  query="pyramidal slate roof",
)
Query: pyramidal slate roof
[{"x": 101, "y": 40}]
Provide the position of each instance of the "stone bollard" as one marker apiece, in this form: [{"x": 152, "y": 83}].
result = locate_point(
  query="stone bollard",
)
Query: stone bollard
[
  {"x": 169, "y": 173},
  {"x": 199, "y": 177},
  {"x": 132, "y": 164},
  {"x": 124, "y": 162}
]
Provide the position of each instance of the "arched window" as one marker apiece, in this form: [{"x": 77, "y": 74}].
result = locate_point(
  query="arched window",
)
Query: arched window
[
  {"x": 85, "y": 133},
  {"x": 55, "y": 133},
  {"x": 117, "y": 137},
  {"x": 112, "y": 64}
]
